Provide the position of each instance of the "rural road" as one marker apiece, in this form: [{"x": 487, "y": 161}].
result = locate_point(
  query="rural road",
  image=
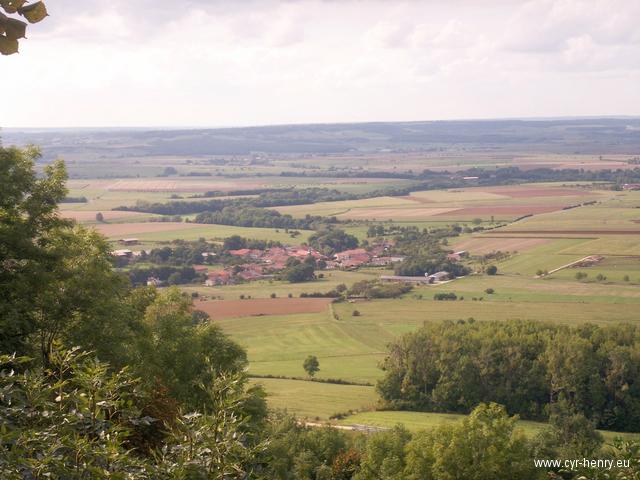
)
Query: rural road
[{"x": 352, "y": 428}]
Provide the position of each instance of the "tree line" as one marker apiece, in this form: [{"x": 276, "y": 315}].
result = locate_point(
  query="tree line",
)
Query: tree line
[
  {"x": 532, "y": 368},
  {"x": 248, "y": 216},
  {"x": 427, "y": 180}
]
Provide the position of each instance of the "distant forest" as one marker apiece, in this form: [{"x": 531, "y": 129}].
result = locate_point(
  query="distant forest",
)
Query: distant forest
[{"x": 584, "y": 135}]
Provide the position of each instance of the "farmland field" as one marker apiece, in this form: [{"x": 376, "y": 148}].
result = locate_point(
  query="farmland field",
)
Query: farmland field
[
  {"x": 150, "y": 232},
  {"x": 264, "y": 288},
  {"x": 279, "y": 333},
  {"x": 501, "y": 203},
  {"x": 89, "y": 216},
  {"x": 315, "y": 400},
  {"x": 424, "y": 421},
  {"x": 539, "y": 227},
  {"x": 218, "y": 309}
]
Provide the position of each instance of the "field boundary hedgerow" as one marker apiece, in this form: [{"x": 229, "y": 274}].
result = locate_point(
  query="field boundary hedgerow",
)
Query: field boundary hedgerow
[{"x": 334, "y": 381}]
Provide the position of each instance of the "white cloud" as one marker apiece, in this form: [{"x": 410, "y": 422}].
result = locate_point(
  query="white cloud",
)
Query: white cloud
[{"x": 200, "y": 62}]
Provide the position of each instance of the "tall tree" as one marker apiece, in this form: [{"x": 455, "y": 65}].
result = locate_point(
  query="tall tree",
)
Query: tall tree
[
  {"x": 28, "y": 222},
  {"x": 56, "y": 278}
]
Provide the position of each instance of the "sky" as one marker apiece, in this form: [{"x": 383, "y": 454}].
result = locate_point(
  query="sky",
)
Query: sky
[{"x": 208, "y": 63}]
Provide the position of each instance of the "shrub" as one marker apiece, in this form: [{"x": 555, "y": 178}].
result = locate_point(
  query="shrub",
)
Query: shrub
[
  {"x": 489, "y": 291},
  {"x": 355, "y": 313},
  {"x": 492, "y": 270},
  {"x": 311, "y": 365},
  {"x": 445, "y": 296},
  {"x": 273, "y": 295}
]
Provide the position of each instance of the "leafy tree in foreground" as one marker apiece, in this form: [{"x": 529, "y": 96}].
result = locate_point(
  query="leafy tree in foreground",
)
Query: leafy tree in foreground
[
  {"x": 75, "y": 420},
  {"x": 11, "y": 28},
  {"x": 28, "y": 219},
  {"x": 483, "y": 446},
  {"x": 181, "y": 354}
]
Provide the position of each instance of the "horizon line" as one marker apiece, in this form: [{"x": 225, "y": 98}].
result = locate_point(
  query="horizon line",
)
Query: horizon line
[{"x": 295, "y": 124}]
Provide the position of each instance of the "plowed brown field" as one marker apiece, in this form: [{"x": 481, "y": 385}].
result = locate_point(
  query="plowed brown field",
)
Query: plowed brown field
[{"x": 262, "y": 306}]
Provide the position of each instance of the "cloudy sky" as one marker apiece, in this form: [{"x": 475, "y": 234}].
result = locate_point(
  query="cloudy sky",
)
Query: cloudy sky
[{"x": 256, "y": 62}]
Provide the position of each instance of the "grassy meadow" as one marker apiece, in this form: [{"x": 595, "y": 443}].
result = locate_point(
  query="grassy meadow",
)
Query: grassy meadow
[{"x": 351, "y": 347}]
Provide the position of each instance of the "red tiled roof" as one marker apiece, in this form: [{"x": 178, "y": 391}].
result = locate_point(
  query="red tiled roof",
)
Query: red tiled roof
[{"x": 351, "y": 253}]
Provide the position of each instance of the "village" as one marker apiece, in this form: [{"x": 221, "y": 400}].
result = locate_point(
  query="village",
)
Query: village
[
  {"x": 231, "y": 266},
  {"x": 261, "y": 264}
]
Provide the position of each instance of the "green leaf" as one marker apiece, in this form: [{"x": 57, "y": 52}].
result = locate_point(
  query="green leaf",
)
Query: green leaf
[
  {"x": 8, "y": 46},
  {"x": 14, "y": 29},
  {"x": 34, "y": 13},
  {"x": 11, "y": 6}
]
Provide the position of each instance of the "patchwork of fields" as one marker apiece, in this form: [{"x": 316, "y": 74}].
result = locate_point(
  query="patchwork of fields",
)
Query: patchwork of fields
[
  {"x": 280, "y": 332},
  {"x": 464, "y": 205},
  {"x": 351, "y": 347}
]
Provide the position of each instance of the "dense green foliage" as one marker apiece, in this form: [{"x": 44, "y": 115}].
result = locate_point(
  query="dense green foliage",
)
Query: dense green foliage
[
  {"x": 377, "y": 289},
  {"x": 75, "y": 419},
  {"x": 443, "y": 179},
  {"x": 236, "y": 242},
  {"x": 424, "y": 252},
  {"x": 528, "y": 367},
  {"x": 168, "y": 274},
  {"x": 311, "y": 365},
  {"x": 265, "y": 199},
  {"x": 483, "y": 446},
  {"x": 54, "y": 277},
  {"x": 179, "y": 252},
  {"x": 418, "y": 265},
  {"x": 297, "y": 271},
  {"x": 247, "y": 216},
  {"x": 332, "y": 240}
]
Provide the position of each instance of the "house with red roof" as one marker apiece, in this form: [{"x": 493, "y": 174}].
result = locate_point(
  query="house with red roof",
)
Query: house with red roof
[
  {"x": 353, "y": 258},
  {"x": 218, "y": 277},
  {"x": 246, "y": 253}
]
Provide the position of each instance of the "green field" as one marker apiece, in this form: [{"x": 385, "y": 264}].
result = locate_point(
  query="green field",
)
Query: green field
[
  {"x": 351, "y": 347},
  {"x": 220, "y": 232},
  {"x": 264, "y": 288},
  {"x": 315, "y": 400},
  {"x": 459, "y": 205},
  {"x": 102, "y": 195},
  {"x": 424, "y": 421}
]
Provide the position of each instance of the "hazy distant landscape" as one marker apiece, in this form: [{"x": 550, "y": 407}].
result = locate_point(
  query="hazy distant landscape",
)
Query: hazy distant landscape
[
  {"x": 311, "y": 240},
  {"x": 577, "y": 136}
]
